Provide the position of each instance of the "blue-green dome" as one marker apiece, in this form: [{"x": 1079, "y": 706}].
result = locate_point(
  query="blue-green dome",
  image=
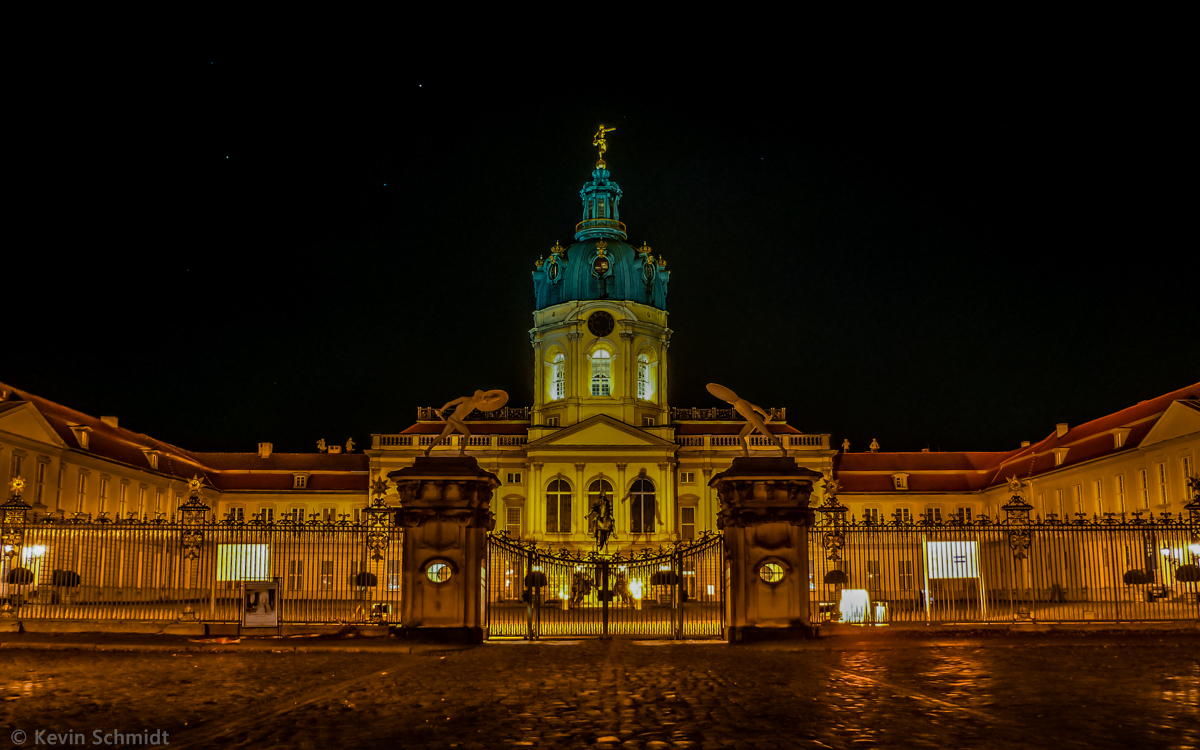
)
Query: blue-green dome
[{"x": 601, "y": 264}]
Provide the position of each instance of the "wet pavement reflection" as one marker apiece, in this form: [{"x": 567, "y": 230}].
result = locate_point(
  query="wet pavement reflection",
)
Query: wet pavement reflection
[{"x": 1139, "y": 691}]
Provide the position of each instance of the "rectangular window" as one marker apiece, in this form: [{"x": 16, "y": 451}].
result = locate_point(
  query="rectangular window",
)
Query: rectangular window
[
  {"x": 295, "y": 575},
  {"x": 299, "y": 481},
  {"x": 158, "y": 502},
  {"x": 964, "y": 514},
  {"x": 903, "y": 515},
  {"x": 39, "y": 482},
  {"x": 1079, "y": 498},
  {"x": 1162, "y": 484},
  {"x": 552, "y": 421},
  {"x": 16, "y": 466},
  {"x": 687, "y": 522},
  {"x": 1187, "y": 470},
  {"x": 327, "y": 574},
  {"x": 83, "y": 491},
  {"x": 329, "y": 515},
  {"x": 1120, "y": 493},
  {"x": 1099, "y": 495},
  {"x": 933, "y": 514},
  {"x": 238, "y": 514},
  {"x": 394, "y": 575},
  {"x": 871, "y": 515},
  {"x": 103, "y": 494},
  {"x": 512, "y": 521},
  {"x": 907, "y": 579},
  {"x": 298, "y": 515},
  {"x": 1145, "y": 489},
  {"x": 874, "y": 580},
  {"x": 648, "y": 421},
  {"x": 687, "y": 477},
  {"x": 1060, "y": 503},
  {"x": 62, "y": 478},
  {"x": 514, "y": 477},
  {"x": 1042, "y": 503},
  {"x": 266, "y": 515},
  {"x": 141, "y": 509}
]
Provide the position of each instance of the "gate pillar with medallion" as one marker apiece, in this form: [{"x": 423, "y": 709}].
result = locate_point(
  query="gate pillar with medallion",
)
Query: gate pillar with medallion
[
  {"x": 445, "y": 511},
  {"x": 765, "y": 518}
]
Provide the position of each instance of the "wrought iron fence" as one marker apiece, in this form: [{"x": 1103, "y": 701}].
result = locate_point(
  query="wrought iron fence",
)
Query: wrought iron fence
[
  {"x": 167, "y": 570},
  {"x": 1111, "y": 569},
  {"x": 677, "y": 591}
]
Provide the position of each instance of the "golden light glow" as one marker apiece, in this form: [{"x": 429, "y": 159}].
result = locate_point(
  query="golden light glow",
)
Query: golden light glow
[
  {"x": 195, "y": 483},
  {"x": 635, "y": 588},
  {"x": 16, "y": 485},
  {"x": 243, "y": 562}
]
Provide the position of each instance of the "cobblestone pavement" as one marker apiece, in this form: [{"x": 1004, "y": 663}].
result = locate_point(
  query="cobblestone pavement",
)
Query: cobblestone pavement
[{"x": 1136, "y": 692}]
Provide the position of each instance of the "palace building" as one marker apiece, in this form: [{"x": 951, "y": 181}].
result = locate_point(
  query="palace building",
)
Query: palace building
[{"x": 600, "y": 425}]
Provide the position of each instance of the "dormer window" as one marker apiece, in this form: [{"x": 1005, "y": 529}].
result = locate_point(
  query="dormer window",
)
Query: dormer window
[
  {"x": 1060, "y": 455},
  {"x": 1119, "y": 436},
  {"x": 901, "y": 481},
  {"x": 601, "y": 373},
  {"x": 81, "y": 434},
  {"x": 151, "y": 457},
  {"x": 299, "y": 481}
]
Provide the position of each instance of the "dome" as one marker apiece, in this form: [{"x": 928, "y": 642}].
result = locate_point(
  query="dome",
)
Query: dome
[{"x": 601, "y": 269}]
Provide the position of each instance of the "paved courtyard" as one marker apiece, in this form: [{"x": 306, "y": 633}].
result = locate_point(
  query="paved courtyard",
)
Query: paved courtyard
[{"x": 1137, "y": 691}]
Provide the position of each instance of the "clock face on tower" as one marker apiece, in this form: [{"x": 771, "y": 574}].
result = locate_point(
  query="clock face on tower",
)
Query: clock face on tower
[{"x": 600, "y": 323}]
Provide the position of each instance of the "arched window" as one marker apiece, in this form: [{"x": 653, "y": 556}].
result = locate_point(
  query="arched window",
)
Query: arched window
[
  {"x": 558, "y": 507},
  {"x": 601, "y": 373},
  {"x": 641, "y": 507},
  {"x": 600, "y": 496},
  {"x": 558, "y": 377},
  {"x": 645, "y": 387}
]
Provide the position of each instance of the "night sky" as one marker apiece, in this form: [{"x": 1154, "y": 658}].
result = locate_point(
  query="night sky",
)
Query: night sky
[{"x": 222, "y": 252}]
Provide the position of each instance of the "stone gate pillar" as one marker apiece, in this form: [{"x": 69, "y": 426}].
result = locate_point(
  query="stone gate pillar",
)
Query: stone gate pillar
[
  {"x": 765, "y": 519},
  {"x": 445, "y": 509}
]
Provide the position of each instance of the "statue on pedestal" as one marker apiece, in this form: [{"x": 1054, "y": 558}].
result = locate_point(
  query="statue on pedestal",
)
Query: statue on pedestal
[
  {"x": 751, "y": 413},
  {"x": 482, "y": 400}
]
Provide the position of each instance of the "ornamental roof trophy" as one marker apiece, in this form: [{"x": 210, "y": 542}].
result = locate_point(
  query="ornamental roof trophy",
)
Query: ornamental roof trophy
[
  {"x": 484, "y": 401},
  {"x": 751, "y": 413}
]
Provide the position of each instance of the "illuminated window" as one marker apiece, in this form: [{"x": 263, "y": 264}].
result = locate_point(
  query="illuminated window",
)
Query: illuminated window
[
  {"x": 687, "y": 522},
  {"x": 103, "y": 494},
  {"x": 1121, "y": 493},
  {"x": 601, "y": 369},
  {"x": 141, "y": 509},
  {"x": 558, "y": 377},
  {"x": 642, "y": 506},
  {"x": 394, "y": 575},
  {"x": 558, "y": 507},
  {"x": 295, "y": 577},
  {"x": 1099, "y": 496},
  {"x": 83, "y": 490},
  {"x": 643, "y": 369},
  {"x": 327, "y": 574},
  {"x": 512, "y": 520},
  {"x": 1060, "y": 503},
  {"x": 1162, "y": 484},
  {"x": 243, "y": 562},
  {"x": 1145, "y": 489}
]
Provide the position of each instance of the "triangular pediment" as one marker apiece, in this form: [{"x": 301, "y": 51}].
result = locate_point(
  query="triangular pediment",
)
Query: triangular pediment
[
  {"x": 1181, "y": 418},
  {"x": 26, "y": 421},
  {"x": 600, "y": 431}
]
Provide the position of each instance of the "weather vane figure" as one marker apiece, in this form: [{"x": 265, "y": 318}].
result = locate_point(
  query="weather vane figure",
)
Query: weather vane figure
[
  {"x": 599, "y": 140},
  {"x": 750, "y": 412},
  {"x": 482, "y": 400}
]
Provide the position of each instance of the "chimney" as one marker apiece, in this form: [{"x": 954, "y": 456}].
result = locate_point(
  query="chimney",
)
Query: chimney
[
  {"x": 1060, "y": 429},
  {"x": 110, "y": 421},
  {"x": 264, "y": 450},
  {"x": 1024, "y": 443}
]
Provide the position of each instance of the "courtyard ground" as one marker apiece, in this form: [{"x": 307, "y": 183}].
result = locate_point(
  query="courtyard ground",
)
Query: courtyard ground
[{"x": 1139, "y": 690}]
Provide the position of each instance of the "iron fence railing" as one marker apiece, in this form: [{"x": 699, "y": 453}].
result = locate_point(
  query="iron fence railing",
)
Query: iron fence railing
[
  {"x": 674, "y": 592},
  {"x": 1099, "y": 570},
  {"x": 83, "y": 569}
]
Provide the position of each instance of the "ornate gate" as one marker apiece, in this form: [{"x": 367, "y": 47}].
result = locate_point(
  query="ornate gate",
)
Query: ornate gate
[{"x": 677, "y": 591}]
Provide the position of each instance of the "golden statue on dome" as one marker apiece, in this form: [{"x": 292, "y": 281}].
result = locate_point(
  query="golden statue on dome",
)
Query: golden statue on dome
[{"x": 599, "y": 140}]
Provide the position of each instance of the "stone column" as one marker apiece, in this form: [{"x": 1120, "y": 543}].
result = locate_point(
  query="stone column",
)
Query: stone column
[
  {"x": 765, "y": 519},
  {"x": 445, "y": 509}
]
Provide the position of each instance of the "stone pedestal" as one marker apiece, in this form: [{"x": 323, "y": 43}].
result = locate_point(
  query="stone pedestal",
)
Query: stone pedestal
[
  {"x": 765, "y": 518},
  {"x": 445, "y": 510}
]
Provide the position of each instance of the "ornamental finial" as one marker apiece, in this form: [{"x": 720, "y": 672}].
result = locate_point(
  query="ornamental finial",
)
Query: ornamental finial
[
  {"x": 195, "y": 483},
  {"x": 599, "y": 140},
  {"x": 16, "y": 485}
]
